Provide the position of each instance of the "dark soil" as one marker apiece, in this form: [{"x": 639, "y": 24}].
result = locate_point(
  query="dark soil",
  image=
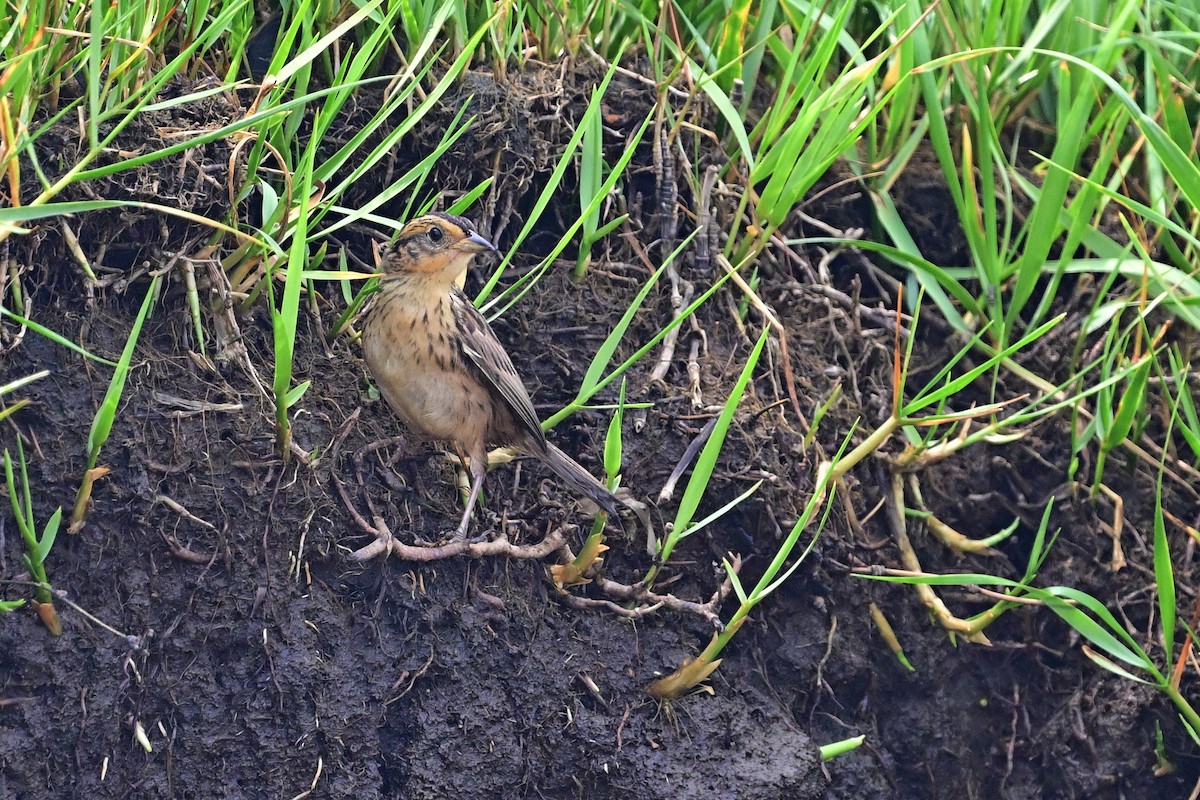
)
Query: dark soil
[{"x": 260, "y": 662}]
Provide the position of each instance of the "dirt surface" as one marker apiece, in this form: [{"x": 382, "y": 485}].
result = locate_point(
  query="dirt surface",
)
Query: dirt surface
[{"x": 260, "y": 661}]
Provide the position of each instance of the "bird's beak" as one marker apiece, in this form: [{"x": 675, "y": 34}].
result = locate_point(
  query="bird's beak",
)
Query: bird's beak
[{"x": 476, "y": 244}]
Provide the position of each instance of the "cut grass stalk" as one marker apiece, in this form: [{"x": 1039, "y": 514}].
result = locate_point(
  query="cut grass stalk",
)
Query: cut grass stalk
[
  {"x": 572, "y": 573},
  {"x": 106, "y": 414},
  {"x": 695, "y": 671},
  {"x": 888, "y": 634},
  {"x": 697, "y": 484},
  {"x": 283, "y": 324},
  {"x": 835, "y": 749},
  {"x": 37, "y": 548}
]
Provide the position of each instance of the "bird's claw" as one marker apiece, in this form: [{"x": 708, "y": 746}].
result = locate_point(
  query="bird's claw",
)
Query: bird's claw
[{"x": 460, "y": 535}]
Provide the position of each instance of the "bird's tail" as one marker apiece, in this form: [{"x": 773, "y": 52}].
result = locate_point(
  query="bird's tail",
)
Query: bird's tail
[{"x": 580, "y": 479}]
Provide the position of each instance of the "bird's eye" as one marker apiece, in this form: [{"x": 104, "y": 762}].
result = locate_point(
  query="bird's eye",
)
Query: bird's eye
[{"x": 436, "y": 234}]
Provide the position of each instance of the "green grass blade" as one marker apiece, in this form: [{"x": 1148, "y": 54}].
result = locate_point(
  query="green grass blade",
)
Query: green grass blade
[
  {"x": 103, "y": 421},
  {"x": 1164, "y": 575},
  {"x": 706, "y": 463}
]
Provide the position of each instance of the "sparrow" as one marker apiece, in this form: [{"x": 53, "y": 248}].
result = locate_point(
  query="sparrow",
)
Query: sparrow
[{"x": 439, "y": 365}]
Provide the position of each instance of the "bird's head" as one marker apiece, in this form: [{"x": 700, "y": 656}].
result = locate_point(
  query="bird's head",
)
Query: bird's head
[{"x": 435, "y": 245}]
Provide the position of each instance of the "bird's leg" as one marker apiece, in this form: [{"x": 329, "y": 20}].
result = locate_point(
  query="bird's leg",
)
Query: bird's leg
[
  {"x": 478, "y": 473},
  {"x": 462, "y": 456}
]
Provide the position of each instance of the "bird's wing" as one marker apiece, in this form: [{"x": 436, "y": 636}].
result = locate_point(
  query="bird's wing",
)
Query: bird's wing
[{"x": 480, "y": 344}]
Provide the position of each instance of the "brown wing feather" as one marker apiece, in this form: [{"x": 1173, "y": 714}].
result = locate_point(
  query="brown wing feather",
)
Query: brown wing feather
[{"x": 484, "y": 350}]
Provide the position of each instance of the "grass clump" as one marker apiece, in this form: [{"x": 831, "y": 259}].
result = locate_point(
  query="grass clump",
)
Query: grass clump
[{"x": 37, "y": 545}]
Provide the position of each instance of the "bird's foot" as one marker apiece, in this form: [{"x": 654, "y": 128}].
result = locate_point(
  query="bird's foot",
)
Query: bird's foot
[
  {"x": 461, "y": 534},
  {"x": 382, "y": 545},
  {"x": 451, "y": 537}
]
